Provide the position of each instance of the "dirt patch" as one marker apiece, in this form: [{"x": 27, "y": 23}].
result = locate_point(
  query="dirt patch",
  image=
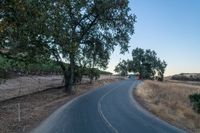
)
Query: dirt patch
[
  {"x": 34, "y": 108},
  {"x": 170, "y": 102}
]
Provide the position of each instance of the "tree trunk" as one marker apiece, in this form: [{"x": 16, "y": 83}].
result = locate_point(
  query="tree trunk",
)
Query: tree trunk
[
  {"x": 91, "y": 79},
  {"x": 72, "y": 70},
  {"x": 66, "y": 80},
  {"x": 66, "y": 76},
  {"x": 66, "y": 73},
  {"x": 141, "y": 72}
]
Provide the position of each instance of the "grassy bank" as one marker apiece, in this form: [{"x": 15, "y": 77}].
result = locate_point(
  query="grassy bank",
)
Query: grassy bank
[{"x": 170, "y": 101}]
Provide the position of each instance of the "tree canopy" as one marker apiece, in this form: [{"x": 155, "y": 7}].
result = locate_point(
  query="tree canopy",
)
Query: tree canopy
[
  {"x": 122, "y": 68},
  {"x": 145, "y": 63}
]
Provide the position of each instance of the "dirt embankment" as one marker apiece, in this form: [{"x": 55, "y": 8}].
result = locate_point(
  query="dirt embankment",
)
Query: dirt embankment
[
  {"x": 20, "y": 86},
  {"x": 20, "y": 115},
  {"x": 170, "y": 102}
]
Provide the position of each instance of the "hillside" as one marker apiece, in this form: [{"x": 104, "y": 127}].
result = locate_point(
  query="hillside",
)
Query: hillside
[{"x": 187, "y": 77}]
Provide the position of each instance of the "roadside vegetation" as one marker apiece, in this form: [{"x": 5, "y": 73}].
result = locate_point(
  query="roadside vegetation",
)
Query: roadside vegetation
[
  {"x": 172, "y": 101},
  {"x": 9, "y": 68},
  {"x": 195, "y": 100}
]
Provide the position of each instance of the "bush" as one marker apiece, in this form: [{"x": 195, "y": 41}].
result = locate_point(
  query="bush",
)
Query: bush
[{"x": 195, "y": 100}]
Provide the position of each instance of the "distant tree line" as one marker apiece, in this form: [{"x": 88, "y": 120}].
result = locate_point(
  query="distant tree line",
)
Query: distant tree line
[
  {"x": 145, "y": 63},
  {"x": 80, "y": 33},
  {"x": 187, "y": 77},
  {"x": 10, "y": 69}
]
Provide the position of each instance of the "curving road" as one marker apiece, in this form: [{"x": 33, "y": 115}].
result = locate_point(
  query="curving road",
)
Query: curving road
[{"x": 109, "y": 109}]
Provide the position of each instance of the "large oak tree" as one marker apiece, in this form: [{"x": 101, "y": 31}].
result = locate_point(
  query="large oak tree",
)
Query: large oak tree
[{"x": 61, "y": 29}]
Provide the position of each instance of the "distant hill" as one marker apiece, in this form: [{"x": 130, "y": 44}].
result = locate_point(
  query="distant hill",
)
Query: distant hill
[{"x": 187, "y": 76}]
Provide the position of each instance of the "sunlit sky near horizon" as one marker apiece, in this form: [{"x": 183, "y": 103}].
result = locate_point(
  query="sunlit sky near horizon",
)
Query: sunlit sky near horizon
[{"x": 171, "y": 28}]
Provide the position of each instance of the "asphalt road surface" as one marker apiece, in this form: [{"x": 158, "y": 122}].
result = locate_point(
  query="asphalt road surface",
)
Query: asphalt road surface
[{"x": 109, "y": 109}]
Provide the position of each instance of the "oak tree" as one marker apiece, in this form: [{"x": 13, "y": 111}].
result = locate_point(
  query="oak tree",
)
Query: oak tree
[{"x": 59, "y": 29}]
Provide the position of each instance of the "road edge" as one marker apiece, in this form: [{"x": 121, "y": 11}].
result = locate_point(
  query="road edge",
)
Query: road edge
[{"x": 38, "y": 129}]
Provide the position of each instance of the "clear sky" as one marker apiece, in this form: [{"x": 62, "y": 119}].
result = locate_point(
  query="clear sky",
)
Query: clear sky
[{"x": 171, "y": 28}]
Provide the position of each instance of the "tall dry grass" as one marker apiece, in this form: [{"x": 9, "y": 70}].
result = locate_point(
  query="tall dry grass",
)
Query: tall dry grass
[{"x": 170, "y": 102}]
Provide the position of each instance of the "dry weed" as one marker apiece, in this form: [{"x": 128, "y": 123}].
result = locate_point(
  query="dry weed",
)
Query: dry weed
[{"x": 170, "y": 102}]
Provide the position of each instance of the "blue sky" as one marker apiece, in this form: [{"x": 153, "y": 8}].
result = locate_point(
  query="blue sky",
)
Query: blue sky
[{"x": 171, "y": 28}]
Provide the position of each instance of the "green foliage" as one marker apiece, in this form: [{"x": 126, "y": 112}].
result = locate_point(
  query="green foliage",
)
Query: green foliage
[
  {"x": 122, "y": 68},
  {"x": 105, "y": 72},
  {"x": 11, "y": 66},
  {"x": 93, "y": 73},
  {"x": 21, "y": 24},
  {"x": 145, "y": 63},
  {"x": 195, "y": 100}
]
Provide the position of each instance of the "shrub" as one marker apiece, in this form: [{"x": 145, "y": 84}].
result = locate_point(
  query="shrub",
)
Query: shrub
[{"x": 195, "y": 100}]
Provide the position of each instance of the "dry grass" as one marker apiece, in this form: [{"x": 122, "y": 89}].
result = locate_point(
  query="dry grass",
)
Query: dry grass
[
  {"x": 197, "y": 83},
  {"x": 36, "y": 107},
  {"x": 170, "y": 102}
]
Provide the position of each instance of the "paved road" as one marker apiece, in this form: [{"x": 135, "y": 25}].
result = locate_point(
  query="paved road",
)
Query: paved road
[{"x": 109, "y": 109}]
